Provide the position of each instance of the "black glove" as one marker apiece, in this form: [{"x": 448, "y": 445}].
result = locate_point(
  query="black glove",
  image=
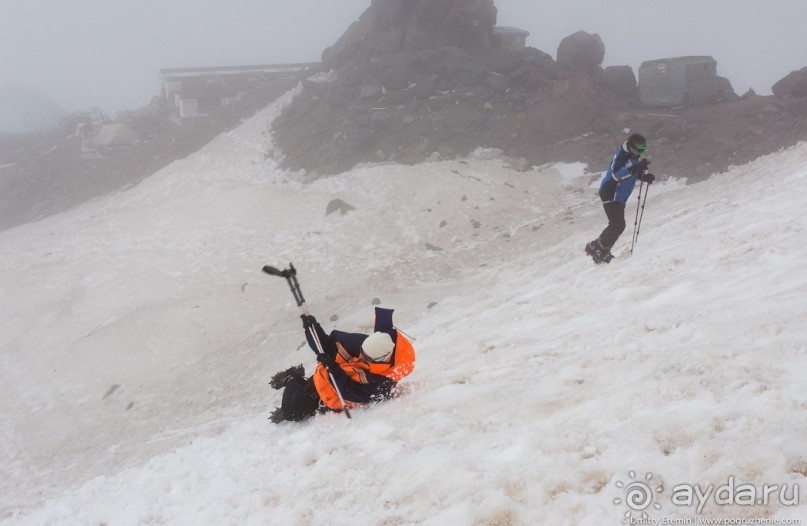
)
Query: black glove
[
  {"x": 647, "y": 177},
  {"x": 326, "y": 360},
  {"x": 640, "y": 167},
  {"x": 308, "y": 320}
]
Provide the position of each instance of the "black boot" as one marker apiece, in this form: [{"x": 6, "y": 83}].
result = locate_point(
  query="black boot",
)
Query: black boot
[
  {"x": 598, "y": 253},
  {"x": 300, "y": 401},
  {"x": 277, "y": 416},
  {"x": 281, "y": 379}
]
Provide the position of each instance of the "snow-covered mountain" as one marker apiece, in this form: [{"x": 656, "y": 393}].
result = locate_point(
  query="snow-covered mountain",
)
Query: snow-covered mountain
[{"x": 138, "y": 336}]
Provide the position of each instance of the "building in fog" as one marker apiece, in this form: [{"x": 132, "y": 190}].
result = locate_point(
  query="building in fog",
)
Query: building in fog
[
  {"x": 679, "y": 81},
  {"x": 193, "y": 91},
  {"x": 509, "y": 37}
]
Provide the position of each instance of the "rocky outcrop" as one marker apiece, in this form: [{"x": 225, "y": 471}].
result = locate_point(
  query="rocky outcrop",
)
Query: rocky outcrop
[
  {"x": 420, "y": 79},
  {"x": 417, "y": 78},
  {"x": 405, "y": 26},
  {"x": 725, "y": 91},
  {"x": 793, "y": 85}
]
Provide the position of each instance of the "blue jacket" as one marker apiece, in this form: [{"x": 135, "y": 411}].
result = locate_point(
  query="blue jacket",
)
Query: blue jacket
[{"x": 618, "y": 182}]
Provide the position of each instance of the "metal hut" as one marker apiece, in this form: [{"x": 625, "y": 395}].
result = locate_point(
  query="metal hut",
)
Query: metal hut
[{"x": 679, "y": 81}]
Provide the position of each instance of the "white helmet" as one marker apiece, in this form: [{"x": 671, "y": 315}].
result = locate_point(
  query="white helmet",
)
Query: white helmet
[{"x": 378, "y": 346}]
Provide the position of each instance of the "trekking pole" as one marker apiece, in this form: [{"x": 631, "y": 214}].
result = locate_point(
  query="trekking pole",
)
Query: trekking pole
[
  {"x": 637, "y": 226},
  {"x": 291, "y": 278},
  {"x": 636, "y": 220},
  {"x": 647, "y": 191},
  {"x": 402, "y": 332}
]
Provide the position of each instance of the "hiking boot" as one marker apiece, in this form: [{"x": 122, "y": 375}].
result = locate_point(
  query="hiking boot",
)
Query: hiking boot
[
  {"x": 598, "y": 253},
  {"x": 277, "y": 416},
  {"x": 281, "y": 379}
]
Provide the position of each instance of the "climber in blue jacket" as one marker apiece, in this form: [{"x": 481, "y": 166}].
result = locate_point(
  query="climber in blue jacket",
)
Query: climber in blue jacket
[{"x": 626, "y": 168}]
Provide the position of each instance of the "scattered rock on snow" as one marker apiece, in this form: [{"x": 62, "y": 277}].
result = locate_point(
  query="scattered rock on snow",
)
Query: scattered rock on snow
[
  {"x": 337, "y": 205},
  {"x": 111, "y": 390}
]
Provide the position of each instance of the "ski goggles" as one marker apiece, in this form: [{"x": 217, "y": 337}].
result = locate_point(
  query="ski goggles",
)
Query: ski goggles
[
  {"x": 383, "y": 360},
  {"x": 637, "y": 150}
]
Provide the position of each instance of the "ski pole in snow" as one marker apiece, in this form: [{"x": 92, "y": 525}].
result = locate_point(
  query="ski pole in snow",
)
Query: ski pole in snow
[
  {"x": 637, "y": 224},
  {"x": 291, "y": 278}
]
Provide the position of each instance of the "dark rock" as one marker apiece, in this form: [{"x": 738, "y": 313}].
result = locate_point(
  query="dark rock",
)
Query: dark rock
[
  {"x": 793, "y": 85},
  {"x": 425, "y": 87},
  {"x": 371, "y": 93},
  {"x": 498, "y": 83},
  {"x": 505, "y": 61},
  {"x": 725, "y": 91},
  {"x": 620, "y": 80},
  {"x": 392, "y": 26},
  {"x": 398, "y": 97},
  {"x": 581, "y": 51},
  {"x": 453, "y": 61},
  {"x": 381, "y": 120},
  {"x": 474, "y": 73},
  {"x": 539, "y": 60},
  {"x": 396, "y": 78},
  {"x": 337, "y": 205},
  {"x": 362, "y": 140},
  {"x": 575, "y": 86},
  {"x": 111, "y": 390},
  {"x": 798, "y": 107},
  {"x": 339, "y": 94},
  {"x": 536, "y": 70}
]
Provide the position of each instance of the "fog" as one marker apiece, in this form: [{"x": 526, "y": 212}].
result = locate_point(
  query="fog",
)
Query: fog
[{"x": 108, "y": 53}]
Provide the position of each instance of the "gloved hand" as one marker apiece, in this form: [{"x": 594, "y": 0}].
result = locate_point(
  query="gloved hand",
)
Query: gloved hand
[
  {"x": 308, "y": 320},
  {"x": 647, "y": 177},
  {"x": 640, "y": 167},
  {"x": 326, "y": 360}
]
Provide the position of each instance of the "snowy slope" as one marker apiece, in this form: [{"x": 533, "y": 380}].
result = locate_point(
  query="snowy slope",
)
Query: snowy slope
[{"x": 138, "y": 335}]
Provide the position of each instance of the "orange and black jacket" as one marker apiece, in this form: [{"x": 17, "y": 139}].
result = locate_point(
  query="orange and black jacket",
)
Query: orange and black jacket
[{"x": 359, "y": 380}]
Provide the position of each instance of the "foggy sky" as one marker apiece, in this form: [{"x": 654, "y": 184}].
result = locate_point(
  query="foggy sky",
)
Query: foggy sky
[{"x": 108, "y": 53}]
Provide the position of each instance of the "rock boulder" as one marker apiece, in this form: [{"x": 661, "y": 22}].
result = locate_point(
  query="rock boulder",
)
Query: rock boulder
[
  {"x": 794, "y": 85},
  {"x": 581, "y": 51}
]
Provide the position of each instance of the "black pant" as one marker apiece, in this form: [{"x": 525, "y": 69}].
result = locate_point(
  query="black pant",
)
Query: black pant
[
  {"x": 300, "y": 400},
  {"x": 616, "y": 224}
]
